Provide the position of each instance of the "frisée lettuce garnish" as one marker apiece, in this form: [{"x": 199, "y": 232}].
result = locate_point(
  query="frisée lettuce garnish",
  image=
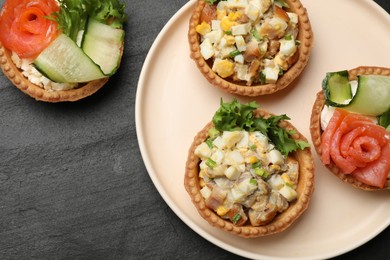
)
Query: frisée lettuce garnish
[{"x": 238, "y": 116}]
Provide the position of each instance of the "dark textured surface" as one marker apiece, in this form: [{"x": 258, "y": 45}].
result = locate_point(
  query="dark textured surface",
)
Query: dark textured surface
[{"x": 72, "y": 181}]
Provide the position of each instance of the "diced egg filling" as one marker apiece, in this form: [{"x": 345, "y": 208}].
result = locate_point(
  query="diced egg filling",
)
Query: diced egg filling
[
  {"x": 253, "y": 41},
  {"x": 243, "y": 176}
]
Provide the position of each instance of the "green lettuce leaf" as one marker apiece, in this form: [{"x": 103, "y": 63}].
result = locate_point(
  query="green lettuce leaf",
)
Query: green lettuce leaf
[
  {"x": 74, "y": 14},
  {"x": 235, "y": 116}
]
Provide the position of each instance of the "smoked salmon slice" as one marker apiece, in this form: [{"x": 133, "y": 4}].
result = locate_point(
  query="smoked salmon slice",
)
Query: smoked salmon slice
[
  {"x": 24, "y": 27},
  {"x": 358, "y": 146},
  {"x": 375, "y": 173}
]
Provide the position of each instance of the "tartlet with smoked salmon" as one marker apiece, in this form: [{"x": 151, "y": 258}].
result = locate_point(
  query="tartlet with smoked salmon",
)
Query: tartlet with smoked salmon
[
  {"x": 61, "y": 50},
  {"x": 350, "y": 126},
  {"x": 250, "y": 47},
  {"x": 249, "y": 172}
]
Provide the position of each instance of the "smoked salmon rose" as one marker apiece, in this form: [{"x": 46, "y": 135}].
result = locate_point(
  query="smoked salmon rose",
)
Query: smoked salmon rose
[
  {"x": 25, "y": 27},
  {"x": 354, "y": 146}
]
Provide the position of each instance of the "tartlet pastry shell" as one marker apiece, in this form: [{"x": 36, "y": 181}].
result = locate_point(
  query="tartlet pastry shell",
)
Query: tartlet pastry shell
[
  {"x": 305, "y": 37},
  {"x": 282, "y": 221},
  {"x": 316, "y": 132},
  {"x": 22, "y": 83}
]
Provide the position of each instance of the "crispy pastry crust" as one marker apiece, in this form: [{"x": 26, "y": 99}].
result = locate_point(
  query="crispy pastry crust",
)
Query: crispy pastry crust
[
  {"x": 282, "y": 221},
  {"x": 22, "y": 83},
  {"x": 316, "y": 132},
  {"x": 305, "y": 37}
]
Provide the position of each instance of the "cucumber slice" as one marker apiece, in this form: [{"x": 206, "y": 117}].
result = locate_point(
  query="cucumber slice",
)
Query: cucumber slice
[
  {"x": 337, "y": 89},
  {"x": 104, "y": 45},
  {"x": 63, "y": 61},
  {"x": 384, "y": 120},
  {"x": 372, "y": 97}
]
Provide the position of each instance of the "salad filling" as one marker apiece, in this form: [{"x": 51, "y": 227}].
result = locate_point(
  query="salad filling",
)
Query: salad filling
[
  {"x": 243, "y": 176},
  {"x": 245, "y": 171},
  {"x": 249, "y": 41}
]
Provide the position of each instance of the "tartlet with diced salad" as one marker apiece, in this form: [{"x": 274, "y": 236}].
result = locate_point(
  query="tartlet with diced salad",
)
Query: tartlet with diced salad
[
  {"x": 250, "y": 47},
  {"x": 350, "y": 126},
  {"x": 61, "y": 50},
  {"x": 248, "y": 172}
]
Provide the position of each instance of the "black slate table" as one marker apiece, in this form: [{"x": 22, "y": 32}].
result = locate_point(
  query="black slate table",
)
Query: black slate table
[{"x": 72, "y": 181}]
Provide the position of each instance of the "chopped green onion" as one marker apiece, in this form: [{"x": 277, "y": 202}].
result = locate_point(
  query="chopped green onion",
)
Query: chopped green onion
[
  {"x": 292, "y": 132},
  {"x": 211, "y": 163},
  {"x": 253, "y": 181},
  {"x": 261, "y": 172},
  {"x": 236, "y": 218},
  {"x": 297, "y": 42},
  {"x": 256, "y": 165},
  {"x": 228, "y": 32},
  {"x": 252, "y": 147},
  {"x": 256, "y": 35},
  {"x": 289, "y": 185},
  {"x": 281, "y": 3},
  {"x": 234, "y": 53},
  {"x": 288, "y": 37},
  {"x": 281, "y": 72},
  {"x": 262, "y": 78},
  {"x": 209, "y": 143},
  {"x": 213, "y": 133}
]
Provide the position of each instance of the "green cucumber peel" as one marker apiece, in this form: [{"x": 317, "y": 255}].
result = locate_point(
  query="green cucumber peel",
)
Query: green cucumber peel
[{"x": 336, "y": 88}]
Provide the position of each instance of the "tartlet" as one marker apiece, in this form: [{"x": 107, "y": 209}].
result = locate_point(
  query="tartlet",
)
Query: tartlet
[
  {"x": 316, "y": 131},
  {"x": 304, "y": 188},
  {"x": 16, "y": 77},
  {"x": 56, "y": 52},
  {"x": 239, "y": 87}
]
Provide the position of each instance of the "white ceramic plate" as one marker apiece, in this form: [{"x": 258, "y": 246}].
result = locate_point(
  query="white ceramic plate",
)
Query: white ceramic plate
[{"x": 174, "y": 102}]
